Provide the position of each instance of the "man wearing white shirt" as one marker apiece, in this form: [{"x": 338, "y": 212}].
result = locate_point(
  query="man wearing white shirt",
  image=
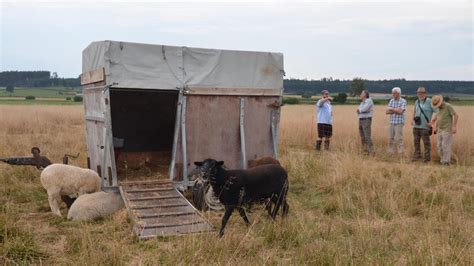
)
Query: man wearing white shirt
[
  {"x": 365, "y": 113},
  {"x": 324, "y": 110}
]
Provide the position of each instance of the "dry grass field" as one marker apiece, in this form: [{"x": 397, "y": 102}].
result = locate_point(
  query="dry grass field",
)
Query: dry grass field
[{"x": 344, "y": 208}]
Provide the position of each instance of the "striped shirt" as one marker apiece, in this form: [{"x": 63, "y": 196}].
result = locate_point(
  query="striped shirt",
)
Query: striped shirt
[{"x": 396, "y": 119}]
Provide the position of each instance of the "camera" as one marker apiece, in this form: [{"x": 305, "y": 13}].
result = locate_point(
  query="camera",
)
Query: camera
[{"x": 417, "y": 120}]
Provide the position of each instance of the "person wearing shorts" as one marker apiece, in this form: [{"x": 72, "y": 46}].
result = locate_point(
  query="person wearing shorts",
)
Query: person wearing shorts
[{"x": 324, "y": 115}]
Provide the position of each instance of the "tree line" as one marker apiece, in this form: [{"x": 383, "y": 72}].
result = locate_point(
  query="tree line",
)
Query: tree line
[
  {"x": 36, "y": 79},
  {"x": 314, "y": 87}
]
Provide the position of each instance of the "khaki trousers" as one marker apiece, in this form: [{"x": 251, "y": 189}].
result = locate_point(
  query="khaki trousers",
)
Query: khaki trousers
[
  {"x": 445, "y": 139},
  {"x": 395, "y": 138}
]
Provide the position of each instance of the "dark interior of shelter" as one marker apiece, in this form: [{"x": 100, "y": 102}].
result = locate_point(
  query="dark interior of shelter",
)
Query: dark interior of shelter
[{"x": 143, "y": 123}]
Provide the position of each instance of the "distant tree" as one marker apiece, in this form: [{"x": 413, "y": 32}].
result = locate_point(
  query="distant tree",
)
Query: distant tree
[
  {"x": 357, "y": 86},
  {"x": 68, "y": 98},
  {"x": 77, "y": 98},
  {"x": 29, "y": 97},
  {"x": 446, "y": 98},
  {"x": 307, "y": 95},
  {"x": 341, "y": 98},
  {"x": 10, "y": 89},
  {"x": 291, "y": 100}
]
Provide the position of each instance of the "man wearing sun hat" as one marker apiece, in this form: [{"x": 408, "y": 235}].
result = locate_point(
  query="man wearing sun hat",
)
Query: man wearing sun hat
[
  {"x": 445, "y": 123},
  {"x": 422, "y": 115}
]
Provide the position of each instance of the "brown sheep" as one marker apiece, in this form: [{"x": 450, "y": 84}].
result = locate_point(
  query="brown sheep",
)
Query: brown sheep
[{"x": 261, "y": 161}]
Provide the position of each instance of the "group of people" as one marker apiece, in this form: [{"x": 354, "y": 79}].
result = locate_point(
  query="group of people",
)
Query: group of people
[{"x": 430, "y": 116}]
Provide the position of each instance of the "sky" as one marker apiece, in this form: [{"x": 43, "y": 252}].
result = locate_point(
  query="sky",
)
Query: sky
[{"x": 425, "y": 40}]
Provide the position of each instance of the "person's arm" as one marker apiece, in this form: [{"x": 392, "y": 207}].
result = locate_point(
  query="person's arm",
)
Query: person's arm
[
  {"x": 365, "y": 107},
  {"x": 389, "y": 109},
  {"x": 433, "y": 122},
  {"x": 402, "y": 109},
  {"x": 321, "y": 102},
  {"x": 455, "y": 123}
]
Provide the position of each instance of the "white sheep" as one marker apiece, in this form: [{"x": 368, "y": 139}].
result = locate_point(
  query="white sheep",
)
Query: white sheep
[
  {"x": 92, "y": 206},
  {"x": 67, "y": 180}
]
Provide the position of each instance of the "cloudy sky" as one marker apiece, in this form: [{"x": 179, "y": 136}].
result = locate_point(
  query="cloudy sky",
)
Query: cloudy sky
[{"x": 339, "y": 39}]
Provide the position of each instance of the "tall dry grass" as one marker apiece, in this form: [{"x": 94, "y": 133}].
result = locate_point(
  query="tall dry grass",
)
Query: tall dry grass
[
  {"x": 298, "y": 129},
  {"x": 344, "y": 208}
]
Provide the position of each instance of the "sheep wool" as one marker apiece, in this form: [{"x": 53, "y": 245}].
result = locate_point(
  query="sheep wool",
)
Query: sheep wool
[
  {"x": 92, "y": 206},
  {"x": 68, "y": 180}
]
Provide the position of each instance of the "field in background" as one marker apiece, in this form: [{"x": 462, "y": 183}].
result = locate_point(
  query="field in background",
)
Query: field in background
[
  {"x": 344, "y": 208},
  {"x": 44, "y": 96}
]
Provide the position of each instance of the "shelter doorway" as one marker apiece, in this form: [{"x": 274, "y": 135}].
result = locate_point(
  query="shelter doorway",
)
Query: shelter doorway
[{"x": 143, "y": 123}]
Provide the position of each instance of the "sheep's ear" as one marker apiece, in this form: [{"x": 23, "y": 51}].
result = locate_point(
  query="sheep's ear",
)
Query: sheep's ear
[
  {"x": 199, "y": 163},
  {"x": 220, "y": 163}
]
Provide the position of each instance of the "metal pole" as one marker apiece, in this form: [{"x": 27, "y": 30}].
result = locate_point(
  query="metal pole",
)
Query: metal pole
[
  {"x": 242, "y": 133},
  {"x": 274, "y": 136},
  {"x": 183, "y": 143},
  {"x": 176, "y": 135}
]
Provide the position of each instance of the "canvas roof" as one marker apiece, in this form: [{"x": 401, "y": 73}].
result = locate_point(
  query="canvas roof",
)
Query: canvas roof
[{"x": 146, "y": 66}]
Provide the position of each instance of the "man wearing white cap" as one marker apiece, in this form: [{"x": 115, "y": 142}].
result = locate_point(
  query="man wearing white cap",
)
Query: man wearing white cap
[
  {"x": 445, "y": 123},
  {"x": 421, "y": 119},
  {"x": 396, "y": 109},
  {"x": 324, "y": 110}
]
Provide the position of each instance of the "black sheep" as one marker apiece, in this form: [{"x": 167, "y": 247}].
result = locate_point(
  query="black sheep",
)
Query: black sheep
[{"x": 236, "y": 188}]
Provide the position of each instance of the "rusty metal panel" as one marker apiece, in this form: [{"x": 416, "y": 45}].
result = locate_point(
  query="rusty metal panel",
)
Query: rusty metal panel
[
  {"x": 158, "y": 209},
  {"x": 213, "y": 128}
]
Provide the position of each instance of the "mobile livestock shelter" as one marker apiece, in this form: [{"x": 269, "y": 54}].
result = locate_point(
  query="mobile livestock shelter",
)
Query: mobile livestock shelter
[
  {"x": 186, "y": 103},
  {"x": 168, "y": 106}
]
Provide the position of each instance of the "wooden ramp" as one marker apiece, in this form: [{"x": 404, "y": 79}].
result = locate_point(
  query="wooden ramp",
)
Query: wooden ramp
[{"x": 158, "y": 209}]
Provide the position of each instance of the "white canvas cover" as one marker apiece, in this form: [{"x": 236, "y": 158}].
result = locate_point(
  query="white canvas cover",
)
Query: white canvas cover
[{"x": 145, "y": 66}]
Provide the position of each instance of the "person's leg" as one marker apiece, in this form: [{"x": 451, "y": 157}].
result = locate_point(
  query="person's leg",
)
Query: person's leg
[
  {"x": 416, "y": 143},
  {"x": 328, "y": 135},
  {"x": 399, "y": 138},
  {"x": 320, "y": 137},
  {"x": 362, "y": 134},
  {"x": 439, "y": 145},
  {"x": 391, "y": 136},
  {"x": 427, "y": 145},
  {"x": 368, "y": 135},
  {"x": 447, "y": 141}
]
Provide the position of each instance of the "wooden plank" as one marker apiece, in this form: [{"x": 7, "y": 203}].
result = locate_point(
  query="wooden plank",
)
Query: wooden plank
[
  {"x": 93, "y": 76},
  {"x": 234, "y": 91},
  {"x": 155, "y": 198},
  {"x": 165, "y": 214},
  {"x": 150, "y": 190},
  {"x": 95, "y": 118},
  {"x": 146, "y": 182},
  {"x": 159, "y": 206},
  {"x": 159, "y": 225},
  {"x": 242, "y": 133}
]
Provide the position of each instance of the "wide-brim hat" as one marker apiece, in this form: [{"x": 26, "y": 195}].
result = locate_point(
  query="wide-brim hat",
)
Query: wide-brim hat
[{"x": 437, "y": 101}]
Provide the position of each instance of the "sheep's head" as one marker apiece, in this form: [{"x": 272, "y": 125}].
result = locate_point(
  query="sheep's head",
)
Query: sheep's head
[{"x": 209, "y": 168}]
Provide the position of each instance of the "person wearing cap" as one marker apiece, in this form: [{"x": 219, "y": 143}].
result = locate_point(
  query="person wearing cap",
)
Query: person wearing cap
[
  {"x": 365, "y": 113},
  {"x": 421, "y": 119},
  {"x": 324, "y": 114},
  {"x": 445, "y": 123},
  {"x": 396, "y": 110}
]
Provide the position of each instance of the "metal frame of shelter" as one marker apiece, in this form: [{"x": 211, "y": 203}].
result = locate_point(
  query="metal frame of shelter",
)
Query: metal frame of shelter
[{"x": 99, "y": 132}]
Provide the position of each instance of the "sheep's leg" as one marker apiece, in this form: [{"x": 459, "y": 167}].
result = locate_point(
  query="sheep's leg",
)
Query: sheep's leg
[
  {"x": 54, "y": 199},
  {"x": 227, "y": 214},
  {"x": 286, "y": 208},
  {"x": 277, "y": 205},
  {"x": 244, "y": 215}
]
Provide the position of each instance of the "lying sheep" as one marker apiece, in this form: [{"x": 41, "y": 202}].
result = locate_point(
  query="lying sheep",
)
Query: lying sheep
[
  {"x": 236, "y": 188},
  {"x": 67, "y": 180},
  {"x": 96, "y": 205}
]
